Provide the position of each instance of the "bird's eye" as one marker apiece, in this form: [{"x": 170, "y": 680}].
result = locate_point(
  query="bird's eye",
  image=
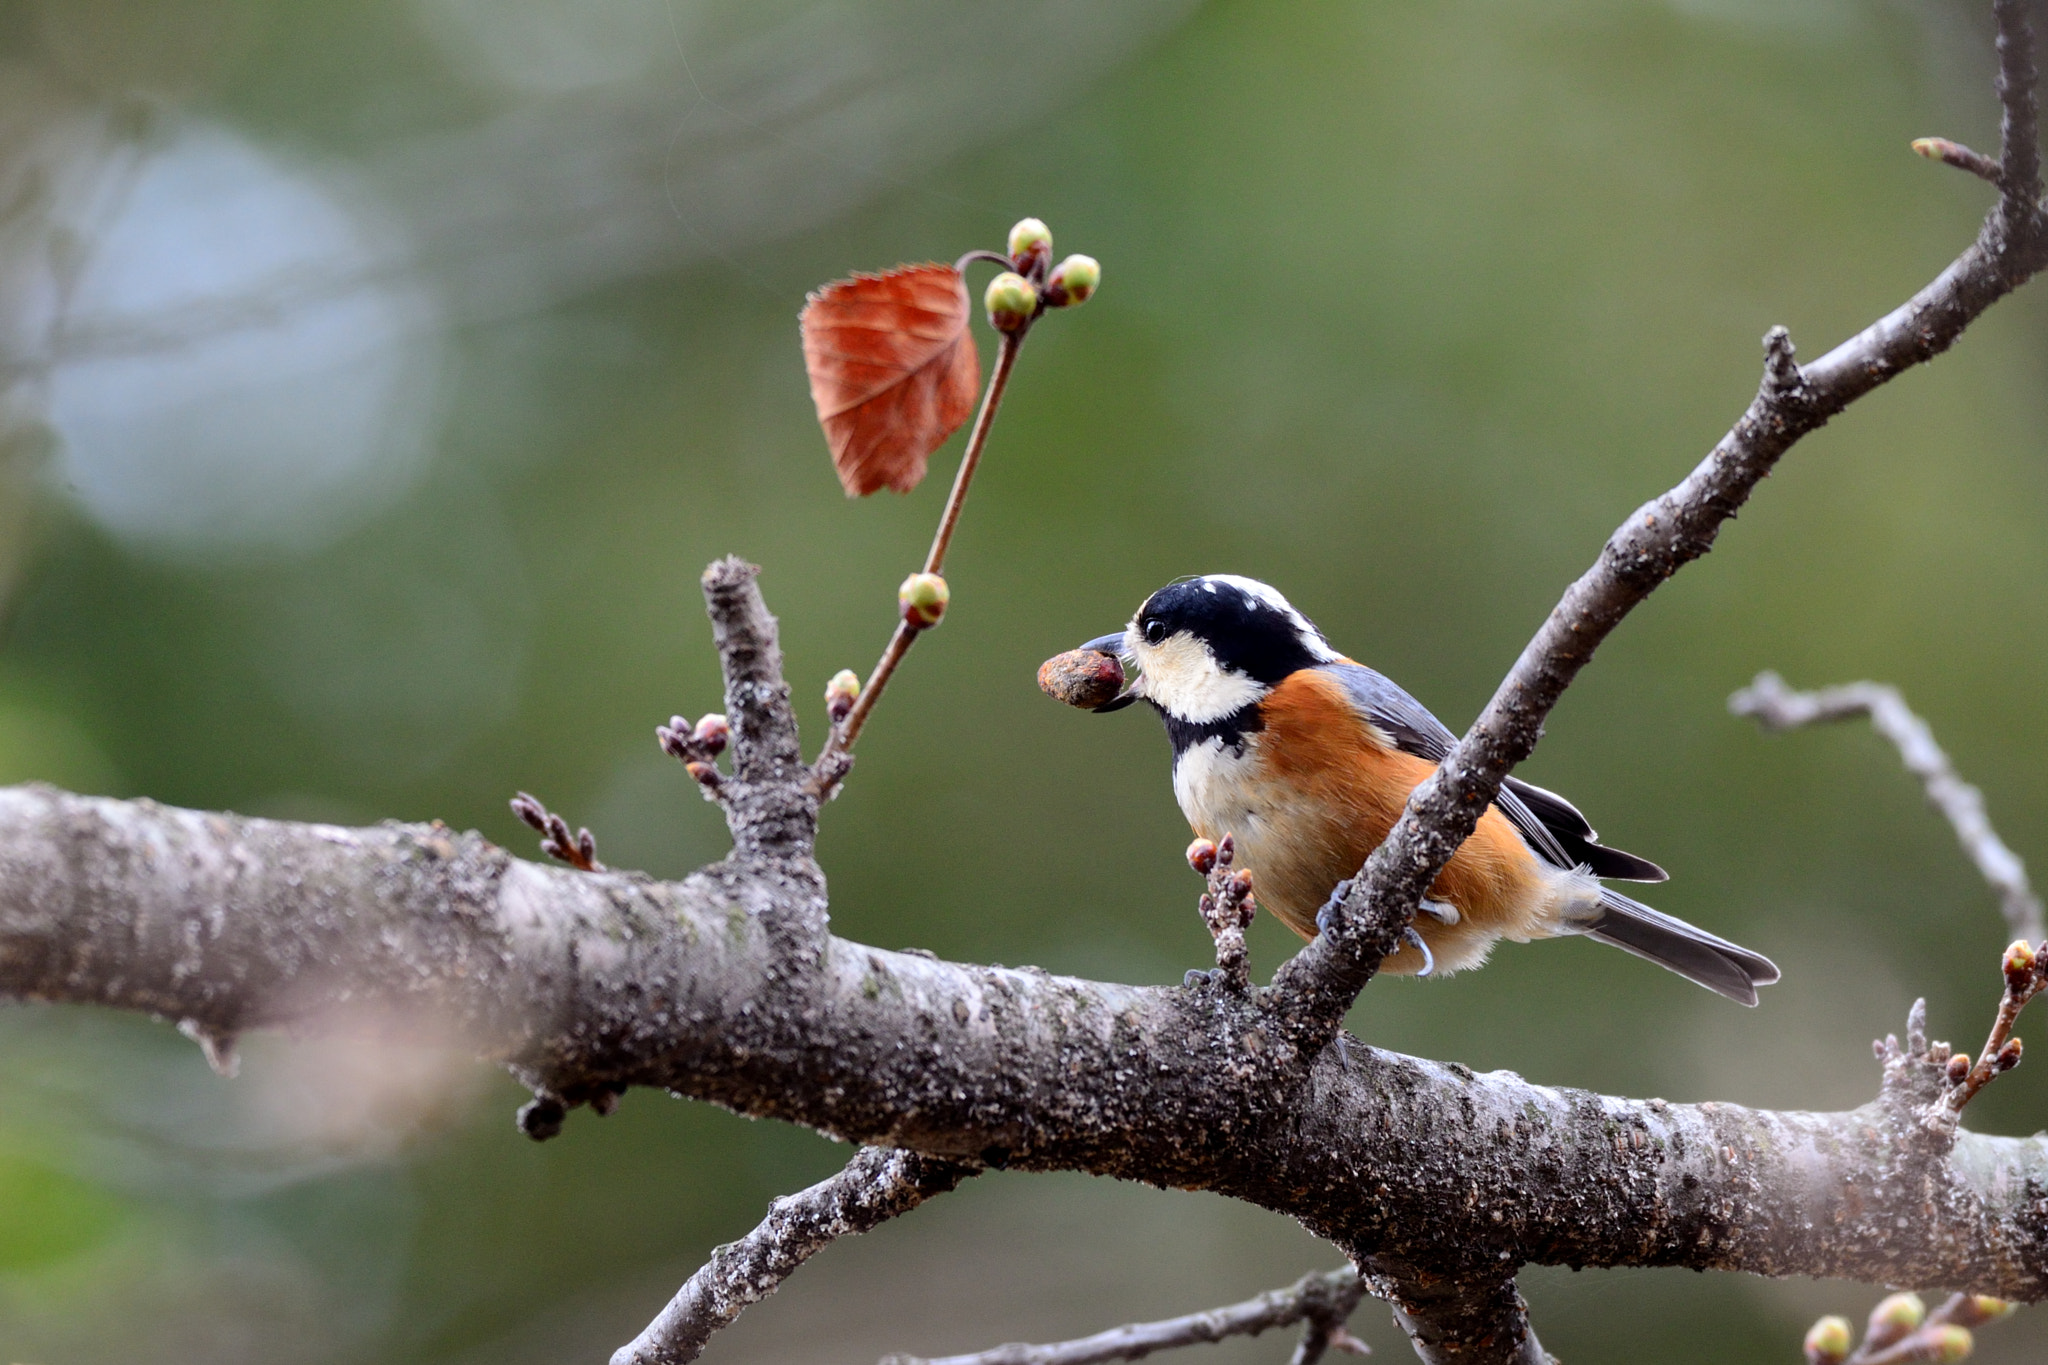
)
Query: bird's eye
[{"x": 1155, "y": 631}]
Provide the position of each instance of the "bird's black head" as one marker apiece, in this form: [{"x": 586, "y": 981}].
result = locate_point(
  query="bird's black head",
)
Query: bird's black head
[{"x": 1208, "y": 647}]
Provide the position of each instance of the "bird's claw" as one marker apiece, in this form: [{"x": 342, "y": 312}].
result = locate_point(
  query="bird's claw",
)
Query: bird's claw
[
  {"x": 1328, "y": 914},
  {"x": 1443, "y": 912},
  {"x": 1409, "y": 935},
  {"x": 1196, "y": 979}
]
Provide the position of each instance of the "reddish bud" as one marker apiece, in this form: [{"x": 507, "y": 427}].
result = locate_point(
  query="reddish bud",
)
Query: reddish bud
[
  {"x": 922, "y": 600},
  {"x": 841, "y": 693},
  {"x": 1958, "y": 1069},
  {"x": 1827, "y": 1341},
  {"x": 1030, "y": 246},
  {"x": 2020, "y": 963},
  {"x": 1072, "y": 281},
  {"x": 1011, "y": 301},
  {"x": 2008, "y": 1056},
  {"x": 1202, "y": 856},
  {"x": 1241, "y": 881},
  {"x": 1226, "y": 849},
  {"x": 711, "y": 734},
  {"x": 530, "y": 811},
  {"x": 1082, "y": 677}
]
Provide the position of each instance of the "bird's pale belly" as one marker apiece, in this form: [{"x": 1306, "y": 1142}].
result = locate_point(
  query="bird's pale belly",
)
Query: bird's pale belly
[{"x": 1301, "y": 837}]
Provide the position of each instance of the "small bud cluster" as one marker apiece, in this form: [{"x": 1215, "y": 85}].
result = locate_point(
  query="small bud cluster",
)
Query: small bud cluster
[
  {"x": 578, "y": 850},
  {"x": 1227, "y": 908},
  {"x": 697, "y": 746},
  {"x": 2025, "y": 970},
  {"x": 922, "y": 600},
  {"x": 1032, "y": 284},
  {"x": 1901, "y": 1329},
  {"x": 840, "y": 695}
]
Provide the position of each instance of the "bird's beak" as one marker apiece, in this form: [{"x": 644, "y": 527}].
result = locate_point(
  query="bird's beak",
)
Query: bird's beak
[{"x": 1112, "y": 645}]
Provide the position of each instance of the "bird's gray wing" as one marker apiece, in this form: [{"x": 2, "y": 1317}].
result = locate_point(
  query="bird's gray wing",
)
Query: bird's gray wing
[{"x": 1551, "y": 825}]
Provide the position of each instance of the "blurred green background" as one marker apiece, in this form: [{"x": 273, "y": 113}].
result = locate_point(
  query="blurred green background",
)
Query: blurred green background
[{"x": 380, "y": 374}]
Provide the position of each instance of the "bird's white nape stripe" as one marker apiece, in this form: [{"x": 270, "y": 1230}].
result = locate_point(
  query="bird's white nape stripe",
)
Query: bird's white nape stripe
[{"x": 1269, "y": 596}]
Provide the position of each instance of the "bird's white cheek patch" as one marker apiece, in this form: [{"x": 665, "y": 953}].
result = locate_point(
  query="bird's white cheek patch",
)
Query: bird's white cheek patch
[{"x": 1183, "y": 677}]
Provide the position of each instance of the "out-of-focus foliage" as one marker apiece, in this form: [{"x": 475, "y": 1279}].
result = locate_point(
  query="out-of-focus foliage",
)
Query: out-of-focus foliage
[{"x": 382, "y": 372}]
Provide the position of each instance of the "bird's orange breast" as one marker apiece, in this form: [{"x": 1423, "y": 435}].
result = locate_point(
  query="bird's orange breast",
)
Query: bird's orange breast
[{"x": 1316, "y": 792}]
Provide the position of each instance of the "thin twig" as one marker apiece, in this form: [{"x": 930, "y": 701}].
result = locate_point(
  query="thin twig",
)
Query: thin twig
[
  {"x": 877, "y": 1185},
  {"x": 1776, "y": 707},
  {"x": 1324, "y": 1298},
  {"x": 2025, "y": 975},
  {"x": 1006, "y": 358},
  {"x": 1952, "y": 153},
  {"x": 843, "y": 736}
]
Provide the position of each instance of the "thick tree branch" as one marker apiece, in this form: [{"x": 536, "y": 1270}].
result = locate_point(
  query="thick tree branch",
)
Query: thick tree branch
[
  {"x": 1778, "y": 708},
  {"x": 1323, "y": 1299},
  {"x": 877, "y": 1185},
  {"x": 588, "y": 981}
]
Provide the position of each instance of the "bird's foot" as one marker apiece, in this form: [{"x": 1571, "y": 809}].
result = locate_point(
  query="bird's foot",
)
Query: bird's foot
[
  {"x": 1328, "y": 914},
  {"x": 1443, "y": 912},
  {"x": 1409, "y": 935},
  {"x": 1196, "y": 979}
]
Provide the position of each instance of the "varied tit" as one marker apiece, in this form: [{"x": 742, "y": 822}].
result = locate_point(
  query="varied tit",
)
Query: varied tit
[{"x": 1306, "y": 759}]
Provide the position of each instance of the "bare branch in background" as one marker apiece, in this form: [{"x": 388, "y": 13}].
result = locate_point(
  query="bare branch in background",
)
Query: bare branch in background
[
  {"x": 1324, "y": 1300},
  {"x": 1777, "y": 708},
  {"x": 877, "y": 1185}
]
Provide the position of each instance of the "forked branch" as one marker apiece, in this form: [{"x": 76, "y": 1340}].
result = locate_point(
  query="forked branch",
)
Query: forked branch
[{"x": 877, "y": 1185}]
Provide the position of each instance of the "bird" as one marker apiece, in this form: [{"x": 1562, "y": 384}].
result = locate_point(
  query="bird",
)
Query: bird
[{"x": 1305, "y": 758}]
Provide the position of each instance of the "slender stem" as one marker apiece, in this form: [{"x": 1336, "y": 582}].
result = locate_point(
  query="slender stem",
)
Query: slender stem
[
  {"x": 1323, "y": 1297},
  {"x": 1006, "y": 356},
  {"x": 899, "y": 645},
  {"x": 842, "y": 738}
]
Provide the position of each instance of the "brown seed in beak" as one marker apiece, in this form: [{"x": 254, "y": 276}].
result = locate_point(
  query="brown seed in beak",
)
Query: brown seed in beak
[{"x": 1082, "y": 677}]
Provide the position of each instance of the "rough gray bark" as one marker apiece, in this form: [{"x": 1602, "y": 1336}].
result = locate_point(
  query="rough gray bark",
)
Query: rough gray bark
[{"x": 584, "y": 982}]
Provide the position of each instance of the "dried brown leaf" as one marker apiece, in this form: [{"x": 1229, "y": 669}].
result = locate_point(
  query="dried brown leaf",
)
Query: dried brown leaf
[{"x": 893, "y": 371}]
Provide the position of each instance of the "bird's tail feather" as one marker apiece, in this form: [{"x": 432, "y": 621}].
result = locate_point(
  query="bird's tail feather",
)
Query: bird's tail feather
[{"x": 1726, "y": 968}]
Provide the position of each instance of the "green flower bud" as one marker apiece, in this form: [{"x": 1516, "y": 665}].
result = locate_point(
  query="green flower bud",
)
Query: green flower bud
[
  {"x": 1011, "y": 300},
  {"x": 1072, "y": 281},
  {"x": 923, "y": 599},
  {"x": 1030, "y": 245},
  {"x": 1893, "y": 1318},
  {"x": 841, "y": 693},
  {"x": 1949, "y": 1343},
  {"x": 1828, "y": 1342},
  {"x": 1984, "y": 1308}
]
